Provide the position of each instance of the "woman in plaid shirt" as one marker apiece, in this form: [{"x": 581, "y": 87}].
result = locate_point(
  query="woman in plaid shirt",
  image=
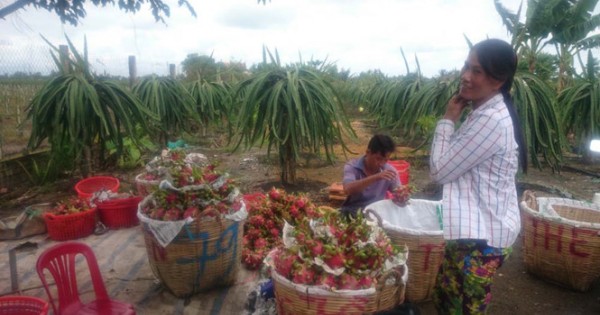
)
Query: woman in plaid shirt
[{"x": 476, "y": 164}]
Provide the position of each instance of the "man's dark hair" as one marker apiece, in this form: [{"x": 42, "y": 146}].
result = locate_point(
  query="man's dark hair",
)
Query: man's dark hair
[{"x": 381, "y": 144}]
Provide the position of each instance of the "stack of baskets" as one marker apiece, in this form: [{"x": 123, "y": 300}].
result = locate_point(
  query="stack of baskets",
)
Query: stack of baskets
[
  {"x": 560, "y": 240},
  {"x": 418, "y": 226},
  {"x": 22, "y": 305}
]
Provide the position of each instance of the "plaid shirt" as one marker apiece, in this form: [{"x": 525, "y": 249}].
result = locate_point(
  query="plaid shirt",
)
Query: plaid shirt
[{"x": 477, "y": 165}]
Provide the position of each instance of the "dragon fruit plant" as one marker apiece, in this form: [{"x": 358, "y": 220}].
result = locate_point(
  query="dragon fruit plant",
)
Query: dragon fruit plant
[
  {"x": 335, "y": 253},
  {"x": 266, "y": 215}
]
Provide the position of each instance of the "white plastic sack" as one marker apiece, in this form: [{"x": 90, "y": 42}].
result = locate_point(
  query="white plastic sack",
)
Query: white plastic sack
[
  {"x": 166, "y": 231},
  {"x": 419, "y": 217}
]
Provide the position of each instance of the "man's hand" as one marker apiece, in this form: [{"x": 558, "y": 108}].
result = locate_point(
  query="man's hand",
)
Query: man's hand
[
  {"x": 386, "y": 174},
  {"x": 360, "y": 185}
]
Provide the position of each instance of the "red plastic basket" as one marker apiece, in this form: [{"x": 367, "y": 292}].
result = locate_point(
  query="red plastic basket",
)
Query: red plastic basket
[
  {"x": 403, "y": 168},
  {"x": 87, "y": 187},
  {"x": 70, "y": 226},
  {"x": 119, "y": 213},
  {"x": 22, "y": 305}
]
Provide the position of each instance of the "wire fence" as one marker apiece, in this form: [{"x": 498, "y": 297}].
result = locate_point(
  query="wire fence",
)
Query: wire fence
[
  {"x": 25, "y": 69},
  {"x": 36, "y": 59}
]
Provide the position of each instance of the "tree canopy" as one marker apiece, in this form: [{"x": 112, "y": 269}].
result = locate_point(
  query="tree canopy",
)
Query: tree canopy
[{"x": 72, "y": 11}]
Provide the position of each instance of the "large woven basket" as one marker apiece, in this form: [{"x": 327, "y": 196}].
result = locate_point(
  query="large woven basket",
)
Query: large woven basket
[
  {"x": 206, "y": 253},
  {"x": 561, "y": 242},
  {"x": 425, "y": 248},
  {"x": 299, "y": 299}
]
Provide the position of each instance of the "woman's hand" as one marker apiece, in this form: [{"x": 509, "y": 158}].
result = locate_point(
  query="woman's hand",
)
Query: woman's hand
[{"x": 455, "y": 108}]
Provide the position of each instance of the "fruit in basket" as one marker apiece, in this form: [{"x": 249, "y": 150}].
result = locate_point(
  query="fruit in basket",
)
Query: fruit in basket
[
  {"x": 205, "y": 192},
  {"x": 266, "y": 216},
  {"x": 402, "y": 194},
  {"x": 335, "y": 253},
  {"x": 71, "y": 205}
]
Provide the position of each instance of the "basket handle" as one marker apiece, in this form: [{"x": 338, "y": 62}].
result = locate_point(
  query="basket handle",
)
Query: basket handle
[
  {"x": 369, "y": 212},
  {"x": 396, "y": 273},
  {"x": 531, "y": 200}
]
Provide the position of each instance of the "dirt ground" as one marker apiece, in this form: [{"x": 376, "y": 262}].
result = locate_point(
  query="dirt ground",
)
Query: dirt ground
[{"x": 514, "y": 292}]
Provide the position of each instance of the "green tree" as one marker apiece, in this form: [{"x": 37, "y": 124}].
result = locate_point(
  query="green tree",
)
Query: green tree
[
  {"x": 71, "y": 11},
  {"x": 572, "y": 24},
  {"x": 199, "y": 67}
]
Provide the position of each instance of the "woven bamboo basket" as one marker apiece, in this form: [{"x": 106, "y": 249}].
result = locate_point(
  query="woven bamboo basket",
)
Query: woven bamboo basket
[
  {"x": 145, "y": 187},
  {"x": 560, "y": 240},
  {"x": 299, "y": 299},
  {"x": 426, "y": 252},
  {"x": 426, "y": 255},
  {"x": 205, "y": 254}
]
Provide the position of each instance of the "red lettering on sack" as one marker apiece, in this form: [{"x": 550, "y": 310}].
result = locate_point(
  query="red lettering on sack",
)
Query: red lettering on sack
[
  {"x": 575, "y": 232},
  {"x": 576, "y": 237},
  {"x": 549, "y": 236}
]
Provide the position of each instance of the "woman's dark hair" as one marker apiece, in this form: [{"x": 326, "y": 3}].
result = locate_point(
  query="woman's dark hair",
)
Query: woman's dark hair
[
  {"x": 499, "y": 61},
  {"x": 381, "y": 144}
]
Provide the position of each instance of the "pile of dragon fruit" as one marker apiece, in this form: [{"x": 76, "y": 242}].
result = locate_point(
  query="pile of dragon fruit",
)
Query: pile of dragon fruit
[
  {"x": 179, "y": 167},
  {"x": 335, "y": 252},
  {"x": 191, "y": 190},
  {"x": 266, "y": 217}
]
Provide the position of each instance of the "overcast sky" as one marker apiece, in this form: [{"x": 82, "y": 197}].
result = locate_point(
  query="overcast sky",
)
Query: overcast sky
[{"x": 357, "y": 35}]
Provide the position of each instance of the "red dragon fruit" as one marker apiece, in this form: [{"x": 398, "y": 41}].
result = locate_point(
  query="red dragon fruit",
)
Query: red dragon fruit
[
  {"x": 275, "y": 194},
  {"x": 191, "y": 212},
  {"x": 172, "y": 214},
  {"x": 304, "y": 275},
  {"x": 157, "y": 214},
  {"x": 348, "y": 282},
  {"x": 335, "y": 260}
]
